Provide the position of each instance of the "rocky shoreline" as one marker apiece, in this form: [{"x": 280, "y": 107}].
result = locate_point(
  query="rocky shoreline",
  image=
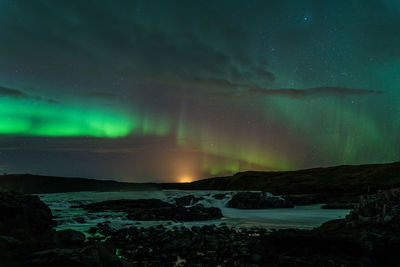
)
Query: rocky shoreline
[{"x": 369, "y": 236}]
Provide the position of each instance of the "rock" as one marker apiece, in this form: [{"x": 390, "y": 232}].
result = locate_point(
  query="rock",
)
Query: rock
[
  {"x": 219, "y": 196},
  {"x": 187, "y": 200},
  {"x": 387, "y": 218},
  {"x": 251, "y": 200},
  {"x": 156, "y": 210},
  {"x": 382, "y": 208},
  {"x": 69, "y": 237},
  {"x": 25, "y": 218},
  {"x": 92, "y": 255},
  {"x": 9, "y": 242},
  {"x": 92, "y": 230},
  {"x": 80, "y": 220},
  {"x": 256, "y": 257},
  {"x": 338, "y": 206},
  {"x": 104, "y": 229}
]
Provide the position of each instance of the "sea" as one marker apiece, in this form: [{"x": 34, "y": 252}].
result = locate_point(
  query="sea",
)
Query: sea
[{"x": 68, "y": 217}]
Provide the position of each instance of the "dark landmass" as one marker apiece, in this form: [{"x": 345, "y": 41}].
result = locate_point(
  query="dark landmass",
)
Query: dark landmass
[
  {"x": 344, "y": 183},
  {"x": 340, "y": 184},
  {"x": 368, "y": 236},
  {"x": 37, "y": 184}
]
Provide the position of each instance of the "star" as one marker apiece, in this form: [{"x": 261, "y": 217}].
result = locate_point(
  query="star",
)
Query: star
[{"x": 306, "y": 19}]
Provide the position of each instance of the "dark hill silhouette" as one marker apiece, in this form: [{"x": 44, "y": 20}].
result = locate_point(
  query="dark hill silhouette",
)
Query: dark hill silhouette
[
  {"x": 37, "y": 184},
  {"x": 343, "y": 181},
  {"x": 348, "y": 181}
]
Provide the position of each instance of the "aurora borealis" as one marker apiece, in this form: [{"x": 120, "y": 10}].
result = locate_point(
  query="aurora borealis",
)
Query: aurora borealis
[{"x": 168, "y": 90}]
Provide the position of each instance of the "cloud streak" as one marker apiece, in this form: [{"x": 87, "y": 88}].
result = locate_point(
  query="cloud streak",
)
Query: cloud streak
[
  {"x": 314, "y": 92},
  {"x": 8, "y": 92},
  {"x": 300, "y": 93},
  {"x": 14, "y": 93}
]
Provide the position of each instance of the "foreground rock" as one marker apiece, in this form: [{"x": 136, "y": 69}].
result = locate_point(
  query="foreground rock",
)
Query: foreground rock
[
  {"x": 382, "y": 208},
  {"x": 28, "y": 239},
  {"x": 69, "y": 237},
  {"x": 261, "y": 200},
  {"x": 96, "y": 254},
  {"x": 333, "y": 244},
  {"x": 156, "y": 210},
  {"x": 25, "y": 224},
  {"x": 25, "y": 218}
]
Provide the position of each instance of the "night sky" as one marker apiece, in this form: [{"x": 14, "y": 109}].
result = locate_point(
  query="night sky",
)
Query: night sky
[{"x": 181, "y": 90}]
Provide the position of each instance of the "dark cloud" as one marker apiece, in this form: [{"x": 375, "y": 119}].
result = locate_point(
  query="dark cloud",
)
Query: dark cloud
[
  {"x": 314, "y": 92},
  {"x": 300, "y": 93},
  {"x": 101, "y": 95},
  {"x": 14, "y": 93},
  {"x": 97, "y": 39},
  {"x": 7, "y": 92}
]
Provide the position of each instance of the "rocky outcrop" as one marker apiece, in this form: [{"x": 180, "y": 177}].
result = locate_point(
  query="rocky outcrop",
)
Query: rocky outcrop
[
  {"x": 25, "y": 218},
  {"x": 261, "y": 200},
  {"x": 25, "y": 225},
  {"x": 338, "y": 184},
  {"x": 69, "y": 237},
  {"x": 382, "y": 208},
  {"x": 156, "y": 210},
  {"x": 187, "y": 200}
]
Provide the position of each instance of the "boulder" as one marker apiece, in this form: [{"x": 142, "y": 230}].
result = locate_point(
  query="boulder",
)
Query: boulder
[
  {"x": 69, "y": 237},
  {"x": 25, "y": 218},
  {"x": 261, "y": 200},
  {"x": 382, "y": 208}
]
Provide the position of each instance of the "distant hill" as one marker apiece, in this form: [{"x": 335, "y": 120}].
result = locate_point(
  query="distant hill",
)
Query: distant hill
[
  {"x": 36, "y": 184},
  {"x": 335, "y": 181}
]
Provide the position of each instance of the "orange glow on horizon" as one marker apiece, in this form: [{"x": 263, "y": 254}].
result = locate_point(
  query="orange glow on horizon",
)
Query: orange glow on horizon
[{"x": 185, "y": 179}]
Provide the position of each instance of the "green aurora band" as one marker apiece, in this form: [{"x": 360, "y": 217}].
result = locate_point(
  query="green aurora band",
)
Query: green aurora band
[{"x": 30, "y": 117}]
